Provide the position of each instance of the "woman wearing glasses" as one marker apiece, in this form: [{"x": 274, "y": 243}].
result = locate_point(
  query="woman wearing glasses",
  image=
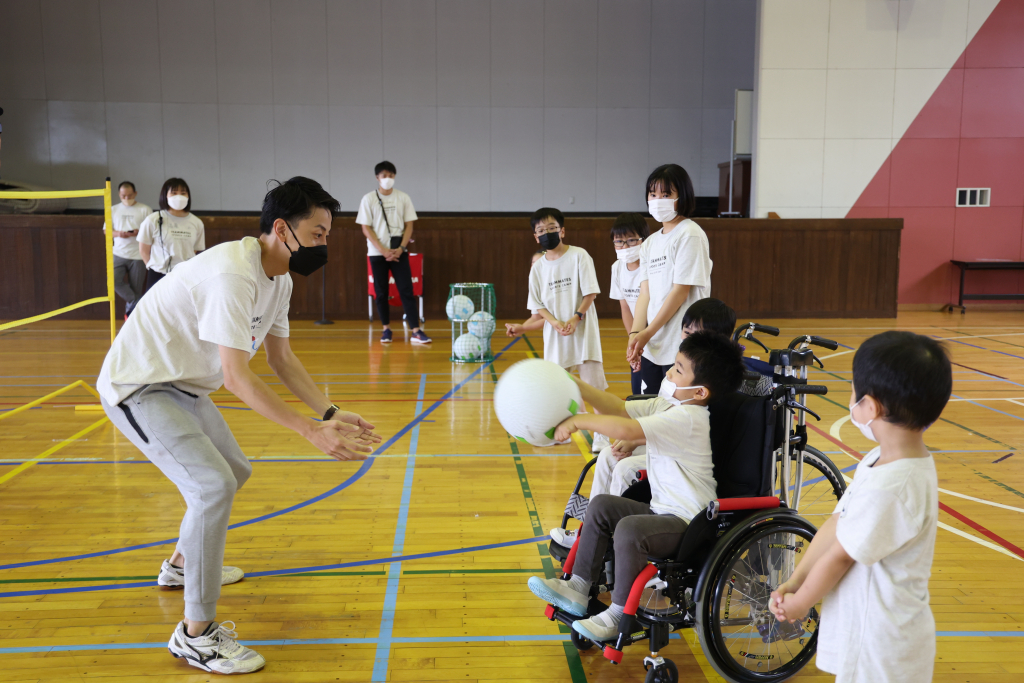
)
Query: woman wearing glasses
[{"x": 628, "y": 232}]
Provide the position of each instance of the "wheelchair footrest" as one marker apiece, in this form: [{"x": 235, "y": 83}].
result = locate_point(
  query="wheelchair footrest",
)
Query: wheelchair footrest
[{"x": 612, "y": 655}]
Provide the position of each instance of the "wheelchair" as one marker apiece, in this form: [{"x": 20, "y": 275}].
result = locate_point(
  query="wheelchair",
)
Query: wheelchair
[{"x": 730, "y": 559}]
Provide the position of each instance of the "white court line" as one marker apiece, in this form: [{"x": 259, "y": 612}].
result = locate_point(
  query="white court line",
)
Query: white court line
[
  {"x": 981, "y": 500},
  {"x": 979, "y": 541},
  {"x": 841, "y": 353},
  {"x": 1016, "y": 399},
  {"x": 966, "y": 336}
]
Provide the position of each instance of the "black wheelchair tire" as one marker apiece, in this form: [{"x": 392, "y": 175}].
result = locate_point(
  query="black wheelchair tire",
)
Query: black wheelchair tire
[
  {"x": 706, "y": 622},
  {"x": 668, "y": 673},
  {"x": 821, "y": 463},
  {"x": 582, "y": 644}
]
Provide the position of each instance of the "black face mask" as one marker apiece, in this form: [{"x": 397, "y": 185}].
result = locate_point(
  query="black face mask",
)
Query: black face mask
[
  {"x": 550, "y": 240},
  {"x": 306, "y": 260}
]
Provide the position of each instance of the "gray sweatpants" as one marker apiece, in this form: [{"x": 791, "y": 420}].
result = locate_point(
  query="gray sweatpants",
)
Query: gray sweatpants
[
  {"x": 187, "y": 438},
  {"x": 132, "y": 290},
  {"x": 638, "y": 533}
]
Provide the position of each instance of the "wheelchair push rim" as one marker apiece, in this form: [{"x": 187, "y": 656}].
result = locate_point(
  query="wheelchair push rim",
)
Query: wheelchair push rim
[
  {"x": 741, "y": 638},
  {"x": 822, "y": 486}
]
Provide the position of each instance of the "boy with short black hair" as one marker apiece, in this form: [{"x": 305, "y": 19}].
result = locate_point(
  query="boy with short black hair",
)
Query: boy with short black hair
[
  {"x": 386, "y": 217},
  {"x": 563, "y": 286},
  {"x": 677, "y": 428},
  {"x": 871, "y": 560},
  {"x": 628, "y": 233},
  {"x": 718, "y": 316}
]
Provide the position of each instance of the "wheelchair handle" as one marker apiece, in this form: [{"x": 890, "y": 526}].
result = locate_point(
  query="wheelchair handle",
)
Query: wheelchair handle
[
  {"x": 793, "y": 405},
  {"x": 815, "y": 389},
  {"x": 810, "y": 339},
  {"x": 754, "y": 327}
]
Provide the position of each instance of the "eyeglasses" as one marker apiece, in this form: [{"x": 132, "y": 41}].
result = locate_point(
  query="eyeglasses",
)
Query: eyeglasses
[
  {"x": 622, "y": 244},
  {"x": 543, "y": 231}
]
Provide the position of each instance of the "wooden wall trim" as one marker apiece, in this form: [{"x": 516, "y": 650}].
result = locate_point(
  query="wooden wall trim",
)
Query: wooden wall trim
[{"x": 768, "y": 268}]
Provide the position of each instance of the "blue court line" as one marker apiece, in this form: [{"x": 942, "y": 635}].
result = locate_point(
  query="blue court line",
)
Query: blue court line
[
  {"x": 983, "y": 348},
  {"x": 362, "y": 470},
  {"x": 415, "y": 437},
  {"x": 293, "y": 570},
  {"x": 401, "y": 640},
  {"x": 427, "y": 455},
  {"x": 982, "y": 405}
]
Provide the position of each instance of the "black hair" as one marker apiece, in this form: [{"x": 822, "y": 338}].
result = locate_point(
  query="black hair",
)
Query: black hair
[
  {"x": 128, "y": 183},
  {"x": 630, "y": 222},
  {"x": 295, "y": 199},
  {"x": 908, "y": 374},
  {"x": 384, "y": 166},
  {"x": 717, "y": 362},
  {"x": 674, "y": 177},
  {"x": 711, "y": 314},
  {"x": 546, "y": 212},
  {"x": 174, "y": 184}
]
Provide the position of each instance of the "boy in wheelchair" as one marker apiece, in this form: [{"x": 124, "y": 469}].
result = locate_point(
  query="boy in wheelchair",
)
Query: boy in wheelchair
[
  {"x": 618, "y": 465},
  {"x": 677, "y": 431}
]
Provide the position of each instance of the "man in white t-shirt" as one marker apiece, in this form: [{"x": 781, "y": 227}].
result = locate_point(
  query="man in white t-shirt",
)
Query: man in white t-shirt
[
  {"x": 386, "y": 217},
  {"x": 679, "y": 467},
  {"x": 195, "y": 331},
  {"x": 127, "y": 218},
  {"x": 871, "y": 561},
  {"x": 676, "y": 271},
  {"x": 171, "y": 235}
]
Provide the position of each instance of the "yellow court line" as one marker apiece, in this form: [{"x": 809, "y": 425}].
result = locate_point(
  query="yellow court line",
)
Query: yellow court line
[
  {"x": 53, "y": 194},
  {"x": 581, "y": 443},
  {"x": 50, "y": 451},
  {"x": 51, "y": 314},
  {"x": 33, "y": 404}
]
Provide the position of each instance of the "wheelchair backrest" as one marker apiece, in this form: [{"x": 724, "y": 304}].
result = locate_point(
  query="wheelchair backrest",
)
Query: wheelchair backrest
[{"x": 744, "y": 435}]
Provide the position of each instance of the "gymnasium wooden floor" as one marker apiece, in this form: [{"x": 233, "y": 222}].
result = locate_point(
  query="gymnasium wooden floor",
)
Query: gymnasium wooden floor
[{"x": 85, "y": 527}]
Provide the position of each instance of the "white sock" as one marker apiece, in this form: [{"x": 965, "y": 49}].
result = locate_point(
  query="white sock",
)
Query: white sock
[
  {"x": 579, "y": 584},
  {"x": 615, "y": 612}
]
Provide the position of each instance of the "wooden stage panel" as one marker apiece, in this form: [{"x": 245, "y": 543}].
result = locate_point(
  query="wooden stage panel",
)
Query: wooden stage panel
[
  {"x": 469, "y": 488},
  {"x": 843, "y": 268}
]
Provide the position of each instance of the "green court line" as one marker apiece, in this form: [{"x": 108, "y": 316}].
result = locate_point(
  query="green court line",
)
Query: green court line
[
  {"x": 149, "y": 577},
  {"x": 998, "y": 341},
  {"x": 473, "y": 571},
  {"x": 530, "y": 344},
  {"x": 975, "y": 432},
  {"x": 999, "y": 484}
]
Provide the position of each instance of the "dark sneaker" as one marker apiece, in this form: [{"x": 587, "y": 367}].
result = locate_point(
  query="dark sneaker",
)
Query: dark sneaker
[
  {"x": 385, "y": 337},
  {"x": 418, "y": 337}
]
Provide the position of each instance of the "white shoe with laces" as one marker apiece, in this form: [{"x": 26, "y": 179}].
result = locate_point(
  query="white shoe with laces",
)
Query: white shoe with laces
[
  {"x": 599, "y": 628},
  {"x": 601, "y": 442},
  {"x": 216, "y": 650},
  {"x": 172, "y": 577},
  {"x": 564, "y": 538}
]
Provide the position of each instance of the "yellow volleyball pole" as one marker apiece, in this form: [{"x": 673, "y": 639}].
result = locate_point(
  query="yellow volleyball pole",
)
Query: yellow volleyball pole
[{"x": 109, "y": 245}]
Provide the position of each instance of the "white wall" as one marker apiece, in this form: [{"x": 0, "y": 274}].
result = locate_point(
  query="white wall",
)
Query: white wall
[
  {"x": 484, "y": 105},
  {"x": 838, "y": 84}
]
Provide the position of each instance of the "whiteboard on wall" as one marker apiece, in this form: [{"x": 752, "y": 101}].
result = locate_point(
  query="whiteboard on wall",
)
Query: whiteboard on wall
[{"x": 743, "y": 114}]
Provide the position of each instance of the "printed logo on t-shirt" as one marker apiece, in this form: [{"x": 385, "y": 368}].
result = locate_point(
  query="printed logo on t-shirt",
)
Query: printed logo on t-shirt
[
  {"x": 257, "y": 321},
  {"x": 180, "y": 233},
  {"x": 560, "y": 285},
  {"x": 656, "y": 265},
  {"x": 631, "y": 294}
]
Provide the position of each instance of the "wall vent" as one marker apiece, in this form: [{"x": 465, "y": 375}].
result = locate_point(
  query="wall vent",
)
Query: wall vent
[{"x": 973, "y": 196}]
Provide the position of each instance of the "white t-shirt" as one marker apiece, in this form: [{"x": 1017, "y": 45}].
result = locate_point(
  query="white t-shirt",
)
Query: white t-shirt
[
  {"x": 398, "y": 210},
  {"x": 559, "y": 286},
  {"x": 679, "y": 258},
  {"x": 679, "y": 461},
  {"x": 220, "y": 298},
  {"x": 876, "y": 624},
  {"x": 172, "y": 243},
  {"x": 625, "y": 284},
  {"x": 127, "y": 219}
]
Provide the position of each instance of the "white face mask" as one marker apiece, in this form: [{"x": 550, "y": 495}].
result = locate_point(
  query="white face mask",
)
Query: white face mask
[
  {"x": 668, "y": 390},
  {"x": 128, "y": 202},
  {"x": 629, "y": 254},
  {"x": 663, "y": 210},
  {"x": 178, "y": 202},
  {"x": 387, "y": 183},
  {"x": 865, "y": 429}
]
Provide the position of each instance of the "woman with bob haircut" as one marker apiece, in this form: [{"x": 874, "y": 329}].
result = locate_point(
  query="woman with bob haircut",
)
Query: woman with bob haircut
[{"x": 171, "y": 235}]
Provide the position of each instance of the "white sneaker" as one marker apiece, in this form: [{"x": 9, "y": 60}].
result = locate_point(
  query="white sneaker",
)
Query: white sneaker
[
  {"x": 564, "y": 538},
  {"x": 172, "y": 577},
  {"x": 601, "y": 442},
  {"x": 558, "y": 593},
  {"x": 216, "y": 650},
  {"x": 598, "y": 628}
]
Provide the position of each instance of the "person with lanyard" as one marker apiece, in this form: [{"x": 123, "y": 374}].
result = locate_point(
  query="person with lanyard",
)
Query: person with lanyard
[
  {"x": 191, "y": 335},
  {"x": 171, "y": 235},
  {"x": 127, "y": 217},
  {"x": 386, "y": 216}
]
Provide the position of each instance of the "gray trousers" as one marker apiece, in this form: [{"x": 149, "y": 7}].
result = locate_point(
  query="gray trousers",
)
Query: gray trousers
[
  {"x": 187, "y": 438},
  {"x": 132, "y": 290},
  {"x": 638, "y": 533}
]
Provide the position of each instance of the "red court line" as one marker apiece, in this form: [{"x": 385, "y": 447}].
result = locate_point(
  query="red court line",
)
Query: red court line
[{"x": 942, "y": 506}]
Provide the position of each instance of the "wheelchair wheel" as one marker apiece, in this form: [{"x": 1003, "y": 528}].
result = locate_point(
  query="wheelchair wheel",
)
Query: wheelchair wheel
[
  {"x": 666, "y": 673},
  {"x": 582, "y": 644},
  {"x": 823, "y": 484},
  {"x": 740, "y": 636}
]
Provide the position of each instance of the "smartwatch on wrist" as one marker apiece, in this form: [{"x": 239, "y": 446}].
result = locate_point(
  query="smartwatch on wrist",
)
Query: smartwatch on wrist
[
  {"x": 580, "y": 315},
  {"x": 330, "y": 412}
]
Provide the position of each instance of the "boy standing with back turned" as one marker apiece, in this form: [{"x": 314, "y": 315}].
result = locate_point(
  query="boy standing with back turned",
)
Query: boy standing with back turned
[{"x": 872, "y": 559}]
